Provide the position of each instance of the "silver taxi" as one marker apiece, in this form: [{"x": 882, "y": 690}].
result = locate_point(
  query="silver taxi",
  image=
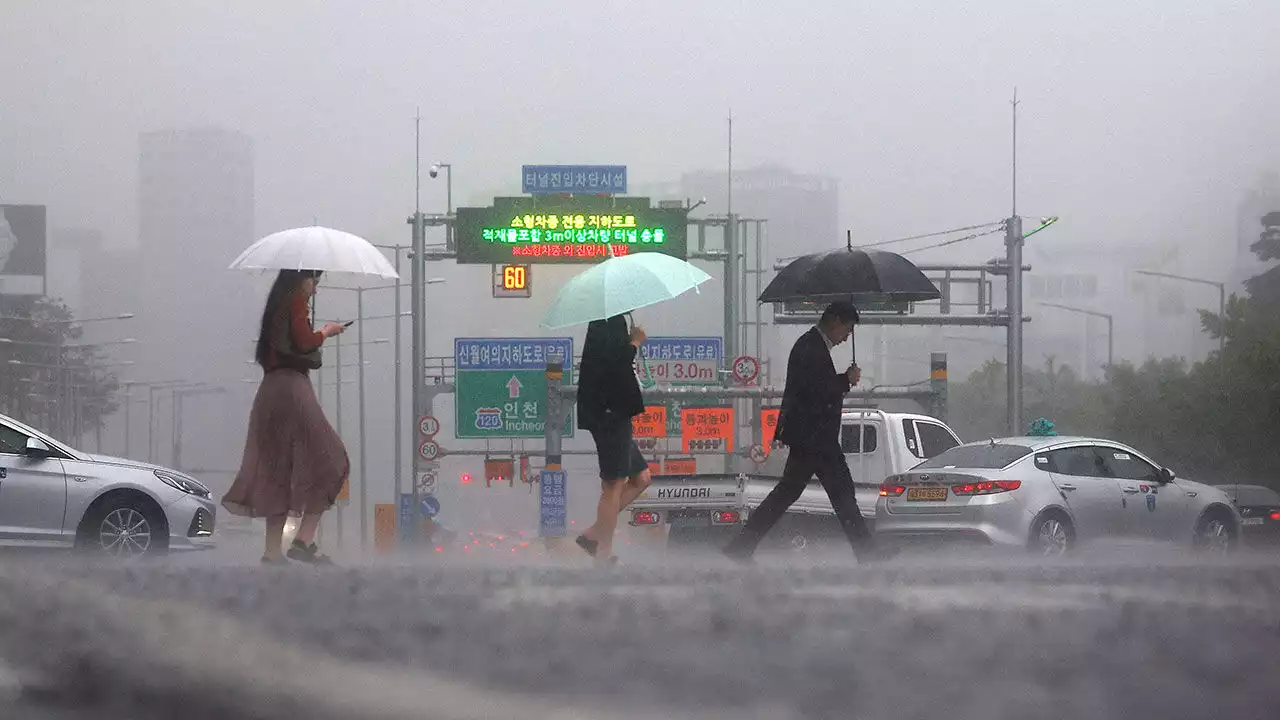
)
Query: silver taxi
[{"x": 1050, "y": 493}]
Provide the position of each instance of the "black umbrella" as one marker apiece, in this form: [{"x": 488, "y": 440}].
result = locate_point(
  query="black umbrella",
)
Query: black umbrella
[{"x": 860, "y": 276}]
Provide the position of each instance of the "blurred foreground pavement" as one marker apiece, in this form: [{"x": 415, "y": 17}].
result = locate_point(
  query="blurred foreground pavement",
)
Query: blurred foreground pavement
[{"x": 1119, "y": 636}]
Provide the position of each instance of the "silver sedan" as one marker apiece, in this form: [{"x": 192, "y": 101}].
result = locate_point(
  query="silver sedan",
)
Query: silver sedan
[
  {"x": 52, "y": 495},
  {"x": 1048, "y": 494}
]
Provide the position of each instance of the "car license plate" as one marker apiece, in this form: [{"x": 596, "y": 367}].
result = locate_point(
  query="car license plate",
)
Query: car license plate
[
  {"x": 682, "y": 520},
  {"x": 1252, "y": 521},
  {"x": 927, "y": 493}
]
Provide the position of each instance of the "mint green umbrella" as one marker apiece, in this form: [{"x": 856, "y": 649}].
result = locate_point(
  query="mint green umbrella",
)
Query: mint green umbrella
[{"x": 622, "y": 284}]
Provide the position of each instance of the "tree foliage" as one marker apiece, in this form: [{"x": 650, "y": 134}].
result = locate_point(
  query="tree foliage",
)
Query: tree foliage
[
  {"x": 46, "y": 367},
  {"x": 1218, "y": 420}
]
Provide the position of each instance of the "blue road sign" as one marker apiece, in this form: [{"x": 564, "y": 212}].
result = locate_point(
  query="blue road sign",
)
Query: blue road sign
[
  {"x": 430, "y": 506},
  {"x": 552, "y": 513},
  {"x": 555, "y": 179}
]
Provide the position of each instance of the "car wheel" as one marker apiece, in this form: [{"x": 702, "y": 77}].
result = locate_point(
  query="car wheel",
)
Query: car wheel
[
  {"x": 1052, "y": 535},
  {"x": 124, "y": 528},
  {"x": 1215, "y": 533}
]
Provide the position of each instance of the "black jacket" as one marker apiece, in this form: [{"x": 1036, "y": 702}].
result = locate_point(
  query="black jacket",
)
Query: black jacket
[
  {"x": 814, "y": 396},
  {"x": 607, "y": 388}
]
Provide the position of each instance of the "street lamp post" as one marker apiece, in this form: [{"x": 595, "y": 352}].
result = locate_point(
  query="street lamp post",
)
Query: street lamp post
[
  {"x": 1222, "y": 301},
  {"x": 397, "y": 404},
  {"x": 1110, "y": 326},
  {"x": 448, "y": 207}
]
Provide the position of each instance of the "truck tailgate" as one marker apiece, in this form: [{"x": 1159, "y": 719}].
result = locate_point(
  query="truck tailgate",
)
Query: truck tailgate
[
  {"x": 693, "y": 491},
  {"x": 814, "y": 499}
]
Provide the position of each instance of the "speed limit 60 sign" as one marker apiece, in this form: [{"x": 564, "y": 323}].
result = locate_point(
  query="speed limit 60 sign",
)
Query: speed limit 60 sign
[{"x": 429, "y": 450}]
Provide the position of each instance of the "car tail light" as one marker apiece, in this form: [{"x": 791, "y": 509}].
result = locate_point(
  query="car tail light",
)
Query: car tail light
[
  {"x": 645, "y": 517},
  {"x": 891, "y": 489},
  {"x": 1275, "y": 515},
  {"x": 726, "y": 517},
  {"x": 986, "y": 487}
]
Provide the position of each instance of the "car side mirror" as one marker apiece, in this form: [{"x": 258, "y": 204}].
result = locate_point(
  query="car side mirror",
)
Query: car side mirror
[
  {"x": 1165, "y": 475},
  {"x": 37, "y": 448}
]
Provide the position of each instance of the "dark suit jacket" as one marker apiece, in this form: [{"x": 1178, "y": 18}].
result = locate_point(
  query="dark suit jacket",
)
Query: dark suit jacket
[
  {"x": 814, "y": 396},
  {"x": 608, "y": 392}
]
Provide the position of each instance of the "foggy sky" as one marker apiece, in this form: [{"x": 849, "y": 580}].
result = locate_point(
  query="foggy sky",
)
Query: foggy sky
[{"x": 1139, "y": 119}]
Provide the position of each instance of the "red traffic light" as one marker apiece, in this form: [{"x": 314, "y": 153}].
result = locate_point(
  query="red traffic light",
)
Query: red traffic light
[{"x": 466, "y": 478}]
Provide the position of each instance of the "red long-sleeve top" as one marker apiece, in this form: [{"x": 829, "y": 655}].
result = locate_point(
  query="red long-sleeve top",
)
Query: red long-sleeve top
[{"x": 305, "y": 339}]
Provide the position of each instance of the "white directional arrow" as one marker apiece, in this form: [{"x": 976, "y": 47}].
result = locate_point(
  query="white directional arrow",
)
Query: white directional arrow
[{"x": 513, "y": 387}]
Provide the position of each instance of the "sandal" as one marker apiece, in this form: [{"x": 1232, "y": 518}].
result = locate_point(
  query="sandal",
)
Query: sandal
[
  {"x": 307, "y": 554},
  {"x": 587, "y": 544}
]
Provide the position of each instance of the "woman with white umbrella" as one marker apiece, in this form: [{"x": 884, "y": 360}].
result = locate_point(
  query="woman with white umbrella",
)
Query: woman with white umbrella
[{"x": 294, "y": 463}]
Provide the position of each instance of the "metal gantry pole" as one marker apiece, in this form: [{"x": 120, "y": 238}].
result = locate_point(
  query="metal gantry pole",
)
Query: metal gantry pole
[
  {"x": 1013, "y": 242},
  {"x": 364, "y": 477},
  {"x": 398, "y": 447},
  {"x": 128, "y": 400},
  {"x": 151, "y": 423},
  {"x": 417, "y": 343},
  {"x": 337, "y": 395}
]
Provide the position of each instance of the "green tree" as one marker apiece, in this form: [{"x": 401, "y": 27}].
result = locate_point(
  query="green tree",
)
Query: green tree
[{"x": 45, "y": 366}]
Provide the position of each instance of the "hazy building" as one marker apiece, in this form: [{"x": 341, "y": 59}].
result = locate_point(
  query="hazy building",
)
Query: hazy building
[{"x": 196, "y": 317}]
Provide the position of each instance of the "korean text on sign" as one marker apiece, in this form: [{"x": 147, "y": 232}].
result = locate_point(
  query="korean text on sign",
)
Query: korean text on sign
[
  {"x": 652, "y": 423},
  {"x": 707, "y": 429},
  {"x": 768, "y": 427},
  {"x": 510, "y": 354},
  {"x": 680, "y": 348},
  {"x": 551, "y": 504},
  {"x": 548, "y": 179}
]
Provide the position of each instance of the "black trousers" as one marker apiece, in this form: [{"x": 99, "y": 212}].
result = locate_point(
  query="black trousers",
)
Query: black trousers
[{"x": 829, "y": 465}]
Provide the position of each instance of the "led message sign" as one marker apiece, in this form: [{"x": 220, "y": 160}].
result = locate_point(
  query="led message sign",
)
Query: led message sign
[{"x": 567, "y": 230}]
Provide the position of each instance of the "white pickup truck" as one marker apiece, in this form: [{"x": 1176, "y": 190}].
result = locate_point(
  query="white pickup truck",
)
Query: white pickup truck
[{"x": 707, "y": 508}]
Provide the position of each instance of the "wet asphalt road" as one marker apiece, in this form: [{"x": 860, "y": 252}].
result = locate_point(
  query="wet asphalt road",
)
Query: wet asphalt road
[{"x": 1111, "y": 635}]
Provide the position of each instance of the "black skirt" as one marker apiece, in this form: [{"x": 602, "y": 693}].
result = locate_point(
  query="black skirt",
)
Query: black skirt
[{"x": 619, "y": 456}]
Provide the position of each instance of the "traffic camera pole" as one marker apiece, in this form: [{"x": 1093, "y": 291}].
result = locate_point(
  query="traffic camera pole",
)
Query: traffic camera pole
[{"x": 1013, "y": 242}]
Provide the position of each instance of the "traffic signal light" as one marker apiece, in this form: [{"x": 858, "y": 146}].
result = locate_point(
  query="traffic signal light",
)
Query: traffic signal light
[{"x": 466, "y": 478}]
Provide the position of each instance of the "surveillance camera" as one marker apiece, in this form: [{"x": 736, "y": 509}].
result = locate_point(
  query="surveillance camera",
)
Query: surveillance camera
[{"x": 434, "y": 171}]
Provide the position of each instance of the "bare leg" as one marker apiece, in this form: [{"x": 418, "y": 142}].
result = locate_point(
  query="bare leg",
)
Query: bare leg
[
  {"x": 275, "y": 538},
  {"x": 607, "y": 517},
  {"x": 307, "y": 528},
  {"x": 637, "y": 484}
]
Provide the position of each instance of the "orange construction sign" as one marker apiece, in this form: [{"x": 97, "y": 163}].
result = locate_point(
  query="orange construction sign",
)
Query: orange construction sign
[
  {"x": 384, "y": 527},
  {"x": 768, "y": 426},
  {"x": 680, "y": 466},
  {"x": 652, "y": 423},
  {"x": 707, "y": 429}
]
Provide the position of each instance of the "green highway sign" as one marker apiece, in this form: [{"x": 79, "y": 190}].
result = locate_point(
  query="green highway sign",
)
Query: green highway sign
[{"x": 500, "y": 386}]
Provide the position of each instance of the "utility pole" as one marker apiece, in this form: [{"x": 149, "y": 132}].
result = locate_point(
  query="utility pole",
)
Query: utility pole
[
  {"x": 1013, "y": 241},
  {"x": 364, "y": 473},
  {"x": 417, "y": 275}
]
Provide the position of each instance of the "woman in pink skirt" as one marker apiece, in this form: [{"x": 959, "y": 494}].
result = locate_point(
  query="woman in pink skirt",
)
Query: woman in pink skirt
[{"x": 294, "y": 463}]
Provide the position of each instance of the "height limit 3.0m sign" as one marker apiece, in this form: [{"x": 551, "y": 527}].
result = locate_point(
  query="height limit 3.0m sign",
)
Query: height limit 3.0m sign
[{"x": 501, "y": 386}]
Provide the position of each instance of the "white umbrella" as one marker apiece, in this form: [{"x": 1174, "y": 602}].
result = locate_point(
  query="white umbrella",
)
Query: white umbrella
[{"x": 315, "y": 248}]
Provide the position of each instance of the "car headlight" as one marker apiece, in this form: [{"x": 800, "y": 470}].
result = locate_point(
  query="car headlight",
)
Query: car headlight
[{"x": 186, "y": 485}]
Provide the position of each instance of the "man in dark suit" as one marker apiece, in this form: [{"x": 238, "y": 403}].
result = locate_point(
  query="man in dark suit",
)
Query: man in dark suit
[{"x": 809, "y": 424}]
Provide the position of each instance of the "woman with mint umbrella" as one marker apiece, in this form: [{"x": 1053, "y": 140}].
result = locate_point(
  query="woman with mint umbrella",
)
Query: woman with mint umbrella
[
  {"x": 608, "y": 389},
  {"x": 608, "y": 397}
]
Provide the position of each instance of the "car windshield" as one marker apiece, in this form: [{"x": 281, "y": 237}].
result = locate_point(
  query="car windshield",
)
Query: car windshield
[
  {"x": 977, "y": 455},
  {"x": 1250, "y": 496}
]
